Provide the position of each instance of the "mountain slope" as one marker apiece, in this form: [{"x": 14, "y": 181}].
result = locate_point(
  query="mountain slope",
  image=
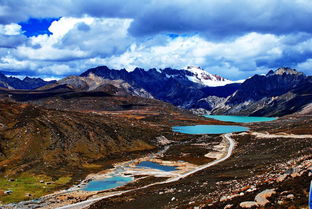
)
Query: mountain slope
[
  {"x": 96, "y": 83},
  {"x": 65, "y": 129},
  {"x": 179, "y": 87},
  {"x": 277, "y": 93}
]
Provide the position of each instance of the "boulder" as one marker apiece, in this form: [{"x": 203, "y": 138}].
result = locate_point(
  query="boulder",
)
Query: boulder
[
  {"x": 261, "y": 198},
  {"x": 248, "y": 204},
  {"x": 8, "y": 192},
  {"x": 162, "y": 140},
  {"x": 228, "y": 206},
  {"x": 290, "y": 196},
  {"x": 294, "y": 174}
]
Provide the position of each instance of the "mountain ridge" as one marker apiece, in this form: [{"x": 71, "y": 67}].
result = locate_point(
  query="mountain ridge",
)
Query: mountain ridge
[
  {"x": 272, "y": 94},
  {"x": 169, "y": 85},
  {"x": 26, "y": 83}
]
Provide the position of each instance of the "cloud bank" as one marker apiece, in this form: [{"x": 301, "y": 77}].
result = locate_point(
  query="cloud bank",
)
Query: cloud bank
[{"x": 234, "y": 39}]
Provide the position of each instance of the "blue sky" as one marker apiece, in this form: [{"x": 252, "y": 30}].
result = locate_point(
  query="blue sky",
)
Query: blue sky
[
  {"x": 36, "y": 26},
  {"x": 235, "y": 39}
]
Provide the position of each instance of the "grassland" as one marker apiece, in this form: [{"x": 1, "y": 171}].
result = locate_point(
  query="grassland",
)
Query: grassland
[{"x": 28, "y": 186}]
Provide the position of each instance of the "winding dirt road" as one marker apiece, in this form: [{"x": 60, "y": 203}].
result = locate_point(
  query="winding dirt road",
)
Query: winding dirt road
[{"x": 231, "y": 145}]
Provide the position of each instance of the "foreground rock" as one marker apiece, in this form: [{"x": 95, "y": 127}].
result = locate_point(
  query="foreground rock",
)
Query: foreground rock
[
  {"x": 248, "y": 204},
  {"x": 261, "y": 198}
]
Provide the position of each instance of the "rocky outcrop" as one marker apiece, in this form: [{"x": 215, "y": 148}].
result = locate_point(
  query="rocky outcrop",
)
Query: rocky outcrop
[{"x": 209, "y": 103}]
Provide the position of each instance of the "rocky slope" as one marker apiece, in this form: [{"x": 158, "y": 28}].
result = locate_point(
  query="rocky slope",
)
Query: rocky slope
[
  {"x": 182, "y": 88},
  {"x": 60, "y": 135},
  {"x": 42, "y": 128},
  {"x": 96, "y": 83},
  {"x": 277, "y": 93},
  {"x": 259, "y": 166},
  {"x": 41, "y": 140}
]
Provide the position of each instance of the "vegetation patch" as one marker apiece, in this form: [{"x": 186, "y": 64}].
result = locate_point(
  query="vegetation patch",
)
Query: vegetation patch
[{"x": 28, "y": 186}]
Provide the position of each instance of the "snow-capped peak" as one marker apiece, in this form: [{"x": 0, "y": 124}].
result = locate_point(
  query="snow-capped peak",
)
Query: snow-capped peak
[{"x": 204, "y": 78}]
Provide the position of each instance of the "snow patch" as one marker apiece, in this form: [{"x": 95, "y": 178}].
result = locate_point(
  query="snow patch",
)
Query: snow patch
[{"x": 202, "y": 77}]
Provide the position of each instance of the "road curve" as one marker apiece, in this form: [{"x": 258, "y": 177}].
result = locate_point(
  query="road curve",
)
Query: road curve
[
  {"x": 86, "y": 203},
  {"x": 228, "y": 154}
]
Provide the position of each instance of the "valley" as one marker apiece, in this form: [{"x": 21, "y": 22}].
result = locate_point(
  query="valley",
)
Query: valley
[
  {"x": 155, "y": 104},
  {"x": 58, "y": 139}
]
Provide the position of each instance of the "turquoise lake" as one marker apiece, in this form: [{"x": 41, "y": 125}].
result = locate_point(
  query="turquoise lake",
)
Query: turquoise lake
[
  {"x": 107, "y": 183},
  {"x": 116, "y": 181},
  {"x": 240, "y": 119},
  {"x": 149, "y": 164},
  {"x": 208, "y": 129}
]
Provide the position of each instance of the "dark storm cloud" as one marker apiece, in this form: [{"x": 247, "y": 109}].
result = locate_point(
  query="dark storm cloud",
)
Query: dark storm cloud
[
  {"x": 289, "y": 58},
  {"x": 219, "y": 19},
  {"x": 213, "y": 18},
  {"x": 22, "y": 10}
]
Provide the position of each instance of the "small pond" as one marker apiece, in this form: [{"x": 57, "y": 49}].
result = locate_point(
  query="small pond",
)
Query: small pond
[
  {"x": 209, "y": 129},
  {"x": 107, "y": 183},
  {"x": 153, "y": 165}
]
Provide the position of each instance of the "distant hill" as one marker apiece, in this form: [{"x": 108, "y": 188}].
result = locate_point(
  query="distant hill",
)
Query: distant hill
[{"x": 26, "y": 83}]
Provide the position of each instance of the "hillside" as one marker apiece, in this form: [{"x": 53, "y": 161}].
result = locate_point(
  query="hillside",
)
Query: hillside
[
  {"x": 281, "y": 92},
  {"x": 61, "y": 135}
]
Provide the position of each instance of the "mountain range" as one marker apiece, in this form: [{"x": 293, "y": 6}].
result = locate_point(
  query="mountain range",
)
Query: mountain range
[
  {"x": 67, "y": 129},
  {"x": 277, "y": 93},
  {"x": 26, "y": 83},
  {"x": 183, "y": 88}
]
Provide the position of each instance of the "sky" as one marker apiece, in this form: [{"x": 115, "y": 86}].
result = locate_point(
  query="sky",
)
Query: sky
[{"x": 234, "y": 39}]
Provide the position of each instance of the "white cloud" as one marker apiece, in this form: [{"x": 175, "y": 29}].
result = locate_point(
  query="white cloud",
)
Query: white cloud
[
  {"x": 102, "y": 36},
  {"x": 77, "y": 44},
  {"x": 56, "y": 69},
  {"x": 225, "y": 58},
  {"x": 305, "y": 66},
  {"x": 11, "y": 63},
  {"x": 78, "y": 38},
  {"x": 10, "y": 29},
  {"x": 62, "y": 26}
]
